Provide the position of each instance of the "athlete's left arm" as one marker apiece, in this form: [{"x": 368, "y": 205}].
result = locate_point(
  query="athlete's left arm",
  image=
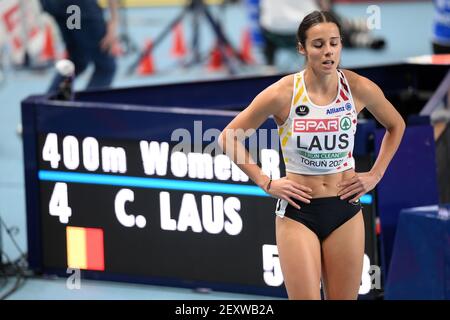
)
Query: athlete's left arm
[{"x": 371, "y": 96}]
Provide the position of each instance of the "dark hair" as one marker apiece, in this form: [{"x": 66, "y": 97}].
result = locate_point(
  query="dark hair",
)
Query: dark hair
[{"x": 312, "y": 19}]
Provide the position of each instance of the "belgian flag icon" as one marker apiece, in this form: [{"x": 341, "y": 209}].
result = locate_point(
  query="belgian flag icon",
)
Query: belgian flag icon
[{"x": 85, "y": 248}]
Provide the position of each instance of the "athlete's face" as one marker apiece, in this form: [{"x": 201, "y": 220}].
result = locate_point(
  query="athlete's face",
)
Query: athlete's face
[{"x": 323, "y": 47}]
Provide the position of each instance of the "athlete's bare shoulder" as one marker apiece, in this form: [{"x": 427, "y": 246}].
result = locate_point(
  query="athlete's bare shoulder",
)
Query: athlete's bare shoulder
[
  {"x": 352, "y": 77},
  {"x": 372, "y": 98},
  {"x": 282, "y": 86},
  {"x": 273, "y": 100},
  {"x": 364, "y": 91},
  {"x": 358, "y": 84},
  {"x": 279, "y": 94}
]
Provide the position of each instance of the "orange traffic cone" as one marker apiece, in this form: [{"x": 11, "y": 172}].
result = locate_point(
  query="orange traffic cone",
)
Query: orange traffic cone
[
  {"x": 179, "y": 46},
  {"x": 146, "y": 66},
  {"x": 246, "y": 47},
  {"x": 48, "y": 52},
  {"x": 216, "y": 61}
]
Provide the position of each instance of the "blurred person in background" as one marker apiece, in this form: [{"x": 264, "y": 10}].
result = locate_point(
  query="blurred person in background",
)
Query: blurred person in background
[
  {"x": 279, "y": 20},
  {"x": 441, "y": 26},
  {"x": 91, "y": 43}
]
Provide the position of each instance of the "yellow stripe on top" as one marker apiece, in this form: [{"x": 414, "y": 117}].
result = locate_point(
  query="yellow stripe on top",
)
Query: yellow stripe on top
[
  {"x": 286, "y": 138},
  {"x": 299, "y": 92},
  {"x": 76, "y": 248}
]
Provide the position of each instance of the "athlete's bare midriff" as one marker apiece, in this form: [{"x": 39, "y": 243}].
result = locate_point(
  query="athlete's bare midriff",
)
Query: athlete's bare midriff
[{"x": 322, "y": 185}]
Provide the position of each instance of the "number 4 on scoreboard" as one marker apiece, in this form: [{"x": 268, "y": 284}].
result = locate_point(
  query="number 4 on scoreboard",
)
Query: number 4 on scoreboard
[
  {"x": 50, "y": 150},
  {"x": 59, "y": 203}
]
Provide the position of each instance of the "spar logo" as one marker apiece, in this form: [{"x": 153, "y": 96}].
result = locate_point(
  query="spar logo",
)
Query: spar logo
[{"x": 316, "y": 125}]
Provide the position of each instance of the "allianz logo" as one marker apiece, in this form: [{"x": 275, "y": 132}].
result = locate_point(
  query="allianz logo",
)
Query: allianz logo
[{"x": 335, "y": 110}]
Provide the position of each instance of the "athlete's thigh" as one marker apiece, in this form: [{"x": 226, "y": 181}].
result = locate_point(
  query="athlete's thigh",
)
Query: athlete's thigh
[
  {"x": 299, "y": 253},
  {"x": 342, "y": 259}
]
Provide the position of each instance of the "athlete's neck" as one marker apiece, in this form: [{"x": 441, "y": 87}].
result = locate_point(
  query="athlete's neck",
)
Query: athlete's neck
[{"x": 320, "y": 83}]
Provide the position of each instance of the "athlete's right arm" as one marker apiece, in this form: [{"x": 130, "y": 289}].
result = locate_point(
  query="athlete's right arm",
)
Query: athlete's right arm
[{"x": 269, "y": 102}]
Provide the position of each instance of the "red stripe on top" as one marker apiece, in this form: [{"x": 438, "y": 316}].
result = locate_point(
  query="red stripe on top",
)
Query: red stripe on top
[
  {"x": 95, "y": 249},
  {"x": 342, "y": 78},
  {"x": 346, "y": 88},
  {"x": 343, "y": 96},
  {"x": 344, "y": 85}
]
